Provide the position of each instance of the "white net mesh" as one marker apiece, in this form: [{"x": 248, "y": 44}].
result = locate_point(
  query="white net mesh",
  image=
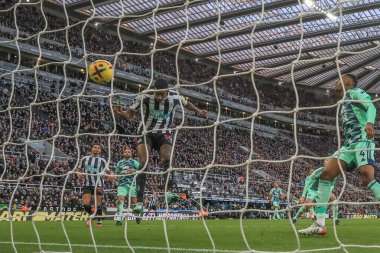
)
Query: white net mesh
[{"x": 253, "y": 135}]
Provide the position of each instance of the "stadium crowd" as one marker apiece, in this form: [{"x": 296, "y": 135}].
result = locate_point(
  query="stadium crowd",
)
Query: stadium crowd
[{"x": 95, "y": 39}]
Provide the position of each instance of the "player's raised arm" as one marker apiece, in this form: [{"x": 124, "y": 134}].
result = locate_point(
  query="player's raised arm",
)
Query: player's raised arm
[
  {"x": 366, "y": 103},
  {"x": 128, "y": 114},
  {"x": 190, "y": 106},
  {"x": 80, "y": 169}
]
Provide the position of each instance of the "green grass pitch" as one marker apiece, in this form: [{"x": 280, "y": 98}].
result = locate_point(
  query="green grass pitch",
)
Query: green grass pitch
[{"x": 187, "y": 236}]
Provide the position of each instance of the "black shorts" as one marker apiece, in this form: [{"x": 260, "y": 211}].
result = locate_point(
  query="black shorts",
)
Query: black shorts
[
  {"x": 90, "y": 190},
  {"x": 156, "y": 140},
  {"x": 152, "y": 208}
]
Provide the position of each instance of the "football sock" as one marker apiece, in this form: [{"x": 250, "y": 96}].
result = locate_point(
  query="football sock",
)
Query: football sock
[
  {"x": 120, "y": 209},
  {"x": 299, "y": 213},
  {"x": 323, "y": 195},
  {"x": 87, "y": 208},
  {"x": 99, "y": 213},
  {"x": 312, "y": 211},
  {"x": 374, "y": 187},
  {"x": 166, "y": 166},
  {"x": 335, "y": 209},
  {"x": 140, "y": 185},
  {"x": 276, "y": 216}
]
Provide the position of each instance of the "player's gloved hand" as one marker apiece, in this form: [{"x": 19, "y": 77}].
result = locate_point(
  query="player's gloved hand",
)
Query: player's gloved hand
[
  {"x": 370, "y": 131},
  {"x": 302, "y": 200}
]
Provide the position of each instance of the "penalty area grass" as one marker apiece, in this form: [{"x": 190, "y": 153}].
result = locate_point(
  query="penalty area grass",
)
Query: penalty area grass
[{"x": 186, "y": 236}]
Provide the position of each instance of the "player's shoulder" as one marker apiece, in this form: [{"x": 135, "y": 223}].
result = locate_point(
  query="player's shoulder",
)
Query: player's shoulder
[
  {"x": 145, "y": 95},
  {"x": 356, "y": 91},
  {"x": 102, "y": 160},
  {"x": 173, "y": 94}
]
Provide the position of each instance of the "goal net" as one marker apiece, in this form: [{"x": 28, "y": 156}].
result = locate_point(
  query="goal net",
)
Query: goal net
[{"x": 263, "y": 70}]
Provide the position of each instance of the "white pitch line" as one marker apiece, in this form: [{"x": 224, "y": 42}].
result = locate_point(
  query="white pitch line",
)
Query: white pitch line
[
  {"x": 104, "y": 225},
  {"x": 126, "y": 247}
]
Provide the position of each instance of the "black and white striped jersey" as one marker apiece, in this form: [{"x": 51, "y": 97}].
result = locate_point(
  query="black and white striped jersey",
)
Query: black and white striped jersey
[
  {"x": 93, "y": 165},
  {"x": 158, "y": 117},
  {"x": 153, "y": 202}
]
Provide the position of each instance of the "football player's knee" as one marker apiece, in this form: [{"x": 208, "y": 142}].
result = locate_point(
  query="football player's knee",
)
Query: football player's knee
[
  {"x": 165, "y": 159},
  {"x": 329, "y": 174},
  {"x": 308, "y": 206},
  {"x": 332, "y": 170},
  {"x": 367, "y": 173},
  {"x": 142, "y": 162},
  {"x": 366, "y": 179}
]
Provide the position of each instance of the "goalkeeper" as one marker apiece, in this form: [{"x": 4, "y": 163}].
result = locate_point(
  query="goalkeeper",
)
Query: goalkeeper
[
  {"x": 127, "y": 184},
  {"x": 310, "y": 193}
]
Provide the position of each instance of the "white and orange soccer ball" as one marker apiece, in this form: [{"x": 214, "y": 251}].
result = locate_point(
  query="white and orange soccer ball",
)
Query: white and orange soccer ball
[{"x": 100, "y": 72}]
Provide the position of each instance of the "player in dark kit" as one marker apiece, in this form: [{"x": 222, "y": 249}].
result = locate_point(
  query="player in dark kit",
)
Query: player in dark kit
[
  {"x": 158, "y": 114},
  {"x": 93, "y": 184}
]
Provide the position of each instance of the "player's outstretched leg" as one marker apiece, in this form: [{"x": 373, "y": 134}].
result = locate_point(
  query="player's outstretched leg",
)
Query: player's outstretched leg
[
  {"x": 99, "y": 209},
  {"x": 86, "y": 199},
  {"x": 88, "y": 209},
  {"x": 331, "y": 171},
  {"x": 312, "y": 211},
  {"x": 300, "y": 212},
  {"x": 318, "y": 227},
  {"x": 165, "y": 151},
  {"x": 143, "y": 152},
  {"x": 138, "y": 208},
  {"x": 170, "y": 195},
  {"x": 99, "y": 212},
  {"x": 335, "y": 209},
  {"x": 374, "y": 187},
  {"x": 120, "y": 209},
  {"x": 276, "y": 216}
]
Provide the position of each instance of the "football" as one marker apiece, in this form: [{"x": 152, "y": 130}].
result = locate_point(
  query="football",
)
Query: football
[{"x": 100, "y": 72}]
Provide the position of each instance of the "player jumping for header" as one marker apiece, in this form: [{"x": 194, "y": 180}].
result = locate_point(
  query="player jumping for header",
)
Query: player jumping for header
[{"x": 158, "y": 110}]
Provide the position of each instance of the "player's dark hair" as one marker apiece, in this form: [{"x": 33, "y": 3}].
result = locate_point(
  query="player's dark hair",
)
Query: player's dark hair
[
  {"x": 127, "y": 147},
  {"x": 96, "y": 143},
  {"x": 353, "y": 78},
  {"x": 161, "y": 84}
]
